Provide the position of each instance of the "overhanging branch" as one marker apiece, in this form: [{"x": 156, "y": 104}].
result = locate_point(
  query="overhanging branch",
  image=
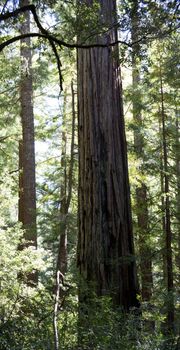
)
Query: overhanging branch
[
  {"x": 43, "y": 33},
  {"x": 49, "y": 36},
  {"x": 52, "y": 38},
  {"x": 19, "y": 37}
]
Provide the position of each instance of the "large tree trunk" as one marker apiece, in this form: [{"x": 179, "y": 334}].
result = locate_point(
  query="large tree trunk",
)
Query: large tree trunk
[
  {"x": 105, "y": 244},
  {"x": 141, "y": 190},
  {"x": 27, "y": 193}
]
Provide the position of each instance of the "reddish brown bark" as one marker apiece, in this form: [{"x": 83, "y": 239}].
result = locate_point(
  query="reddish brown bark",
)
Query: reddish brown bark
[
  {"x": 105, "y": 244},
  {"x": 27, "y": 193}
]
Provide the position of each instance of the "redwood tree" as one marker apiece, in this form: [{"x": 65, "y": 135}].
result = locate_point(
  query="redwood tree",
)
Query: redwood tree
[
  {"x": 27, "y": 192},
  {"x": 105, "y": 245}
]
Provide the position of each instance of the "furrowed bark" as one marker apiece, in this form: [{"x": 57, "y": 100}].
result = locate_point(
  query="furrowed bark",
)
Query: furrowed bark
[{"x": 105, "y": 243}]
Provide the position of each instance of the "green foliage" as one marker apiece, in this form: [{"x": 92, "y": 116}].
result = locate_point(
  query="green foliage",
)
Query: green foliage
[
  {"x": 21, "y": 307},
  {"x": 98, "y": 325},
  {"x": 26, "y": 314}
]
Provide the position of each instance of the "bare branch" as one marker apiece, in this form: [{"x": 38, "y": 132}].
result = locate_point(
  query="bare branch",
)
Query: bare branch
[
  {"x": 58, "y": 64},
  {"x": 4, "y": 6},
  {"x": 19, "y": 37},
  {"x": 63, "y": 43}
]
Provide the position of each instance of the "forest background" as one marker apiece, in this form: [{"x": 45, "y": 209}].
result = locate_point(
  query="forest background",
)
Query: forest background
[{"x": 46, "y": 300}]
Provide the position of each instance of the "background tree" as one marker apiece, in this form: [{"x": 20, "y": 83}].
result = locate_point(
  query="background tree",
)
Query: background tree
[
  {"x": 141, "y": 189},
  {"x": 66, "y": 188},
  {"x": 27, "y": 190}
]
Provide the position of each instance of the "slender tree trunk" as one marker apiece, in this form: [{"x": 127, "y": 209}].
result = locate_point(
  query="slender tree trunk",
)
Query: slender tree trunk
[
  {"x": 66, "y": 191},
  {"x": 177, "y": 152},
  {"x": 141, "y": 190},
  {"x": 170, "y": 284},
  {"x": 27, "y": 193},
  {"x": 105, "y": 244},
  {"x": 66, "y": 194},
  {"x": 145, "y": 251},
  {"x": 20, "y": 202},
  {"x": 163, "y": 204},
  {"x": 62, "y": 249}
]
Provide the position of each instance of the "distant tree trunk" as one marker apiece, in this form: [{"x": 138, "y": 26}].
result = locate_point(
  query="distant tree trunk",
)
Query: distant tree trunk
[
  {"x": 20, "y": 202},
  {"x": 105, "y": 244},
  {"x": 163, "y": 203},
  {"x": 141, "y": 190},
  {"x": 145, "y": 251},
  {"x": 66, "y": 191},
  {"x": 169, "y": 264},
  {"x": 62, "y": 249},
  {"x": 66, "y": 194},
  {"x": 177, "y": 153},
  {"x": 27, "y": 192}
]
